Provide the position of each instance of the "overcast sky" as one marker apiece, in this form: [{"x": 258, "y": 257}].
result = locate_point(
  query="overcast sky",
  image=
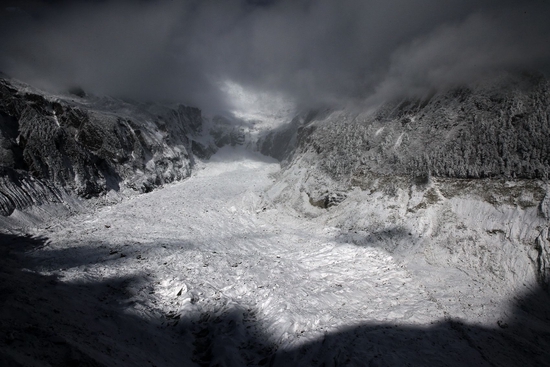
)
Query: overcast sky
[{"x": 323, "y": 51}]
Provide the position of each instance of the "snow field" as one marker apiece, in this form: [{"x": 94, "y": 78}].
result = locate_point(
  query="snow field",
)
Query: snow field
[
  {"x": 234, "y": 267},
  {"x": 206, "y": 245}
]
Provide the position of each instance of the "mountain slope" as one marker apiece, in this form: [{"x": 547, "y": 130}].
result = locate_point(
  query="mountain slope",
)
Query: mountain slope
[
  {"x": 55, "y": 149},
  {"x": 498, "y": 128},
  {"x": 456, "y": 183}
]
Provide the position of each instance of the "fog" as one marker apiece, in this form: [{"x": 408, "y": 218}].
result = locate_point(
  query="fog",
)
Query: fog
[{"x": 312, "y": 52}]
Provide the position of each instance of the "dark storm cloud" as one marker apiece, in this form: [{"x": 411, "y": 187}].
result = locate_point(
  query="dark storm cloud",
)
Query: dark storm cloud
[{"x": 314, "y": 51}]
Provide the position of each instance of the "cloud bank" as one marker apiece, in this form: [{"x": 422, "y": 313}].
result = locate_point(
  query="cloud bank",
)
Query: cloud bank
[{"x": 314, "y": 52}]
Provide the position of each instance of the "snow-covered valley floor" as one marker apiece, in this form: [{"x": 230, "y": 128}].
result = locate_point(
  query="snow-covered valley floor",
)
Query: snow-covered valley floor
[{"x": 202, "y": 272}]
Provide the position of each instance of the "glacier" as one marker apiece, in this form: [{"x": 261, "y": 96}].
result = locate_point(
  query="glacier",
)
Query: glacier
[{"x": 347, "y": 236}]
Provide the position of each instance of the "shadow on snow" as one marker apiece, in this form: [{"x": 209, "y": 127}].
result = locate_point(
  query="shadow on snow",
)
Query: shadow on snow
[{"x": 45, "y": 321}]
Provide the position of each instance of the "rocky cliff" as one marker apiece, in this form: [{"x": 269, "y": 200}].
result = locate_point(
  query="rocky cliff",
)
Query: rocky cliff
[{"x": 55, "y": 147}]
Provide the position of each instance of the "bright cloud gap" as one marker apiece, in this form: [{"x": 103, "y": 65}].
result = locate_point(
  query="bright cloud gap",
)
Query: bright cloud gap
[{"x": 310, "y": 52}]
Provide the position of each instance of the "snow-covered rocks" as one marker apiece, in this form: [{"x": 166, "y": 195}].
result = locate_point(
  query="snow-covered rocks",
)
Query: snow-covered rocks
[
  {"x": 247, "y": 264},
  {"x": 54, "y": 146},
  {"x": 200, "y": 273}
]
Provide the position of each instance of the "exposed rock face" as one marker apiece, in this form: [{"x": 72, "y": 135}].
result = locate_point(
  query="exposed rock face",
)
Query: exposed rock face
[
  {"x": 281, "y": 143},
  {"x": 20, "y": 190},
  {"x": 226, "y": 132},
  {"x": 50, "y": 145}
]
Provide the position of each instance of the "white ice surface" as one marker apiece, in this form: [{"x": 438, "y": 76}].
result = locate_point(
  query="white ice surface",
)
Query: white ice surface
[
  {"x": 210, "y": 237},
  {"x": 209, "y": 246}
]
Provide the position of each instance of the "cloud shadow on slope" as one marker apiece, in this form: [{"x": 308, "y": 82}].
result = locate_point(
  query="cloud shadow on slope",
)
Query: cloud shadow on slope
[
  {"x": 97, "y": 252},
  {"x": 47, "y": 320},
  {"x": 387, "y": 239}
]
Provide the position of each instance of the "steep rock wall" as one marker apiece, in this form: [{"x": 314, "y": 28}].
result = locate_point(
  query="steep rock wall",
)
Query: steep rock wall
[{"x": 51, "y": 145}]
